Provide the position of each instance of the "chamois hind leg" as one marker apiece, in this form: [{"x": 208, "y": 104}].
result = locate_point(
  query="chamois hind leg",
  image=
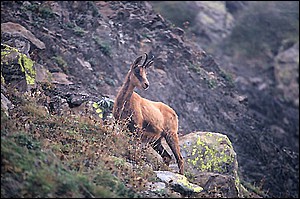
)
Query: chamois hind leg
[
  {"x": 173, "y": 142},
  {"x": 157, "y": 146}
]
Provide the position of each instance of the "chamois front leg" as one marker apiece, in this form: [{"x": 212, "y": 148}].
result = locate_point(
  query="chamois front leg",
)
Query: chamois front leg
[{"x": 157, "y": 146}]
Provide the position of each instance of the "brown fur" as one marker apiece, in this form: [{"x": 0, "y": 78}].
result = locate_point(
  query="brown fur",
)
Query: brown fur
[{"x": 155, "y": 120}]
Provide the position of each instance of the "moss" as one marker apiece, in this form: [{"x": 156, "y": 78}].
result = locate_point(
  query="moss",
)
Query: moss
[
  {"x": 2, "y": 79},
  {"x": 212, "y": 153},
  {"x": 190, "y": 176},
  {"x": 194, "y": 151}
]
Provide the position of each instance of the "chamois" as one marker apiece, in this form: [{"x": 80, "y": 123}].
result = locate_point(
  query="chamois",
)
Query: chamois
[{"x": 155, "y": 120}]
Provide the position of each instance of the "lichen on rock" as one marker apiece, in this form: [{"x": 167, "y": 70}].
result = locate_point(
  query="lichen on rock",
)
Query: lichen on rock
[
  {"x": 209, "y": 152},
  {"x": 179, "y": 182},
  {"x": 9, "y": 54}
]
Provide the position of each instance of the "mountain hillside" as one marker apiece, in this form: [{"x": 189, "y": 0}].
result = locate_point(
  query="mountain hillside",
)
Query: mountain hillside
[{"x": 82, "y": 52}]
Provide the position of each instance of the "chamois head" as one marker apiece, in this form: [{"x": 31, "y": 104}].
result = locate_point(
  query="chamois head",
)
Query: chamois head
[{"x": 138, "y": 75}]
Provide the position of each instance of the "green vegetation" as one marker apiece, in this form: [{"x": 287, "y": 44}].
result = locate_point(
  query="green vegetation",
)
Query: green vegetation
[
  {"x": 61, "y": 63},
  {"x": 43, "y": 10},
  {"x": 227, "y": 76},
  {"x": 211, "y": 81},
  {"x": 94, "y": 9},
  {"x": 78, "y": 31},
  {"x": 46, "y": 155},
  {"x": 196, "y": 68},
  {"x": 257, "y": 189},
  {"x": 46, "y": 12},
  {"x": 103, "y": 46}
]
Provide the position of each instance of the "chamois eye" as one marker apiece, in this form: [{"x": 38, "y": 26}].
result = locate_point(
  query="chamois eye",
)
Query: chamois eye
[{"x": 137, "y": 70}]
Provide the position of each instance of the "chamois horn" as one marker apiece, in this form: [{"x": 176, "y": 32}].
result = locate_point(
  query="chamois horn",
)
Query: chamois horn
[{"x": 146, "y": 58}]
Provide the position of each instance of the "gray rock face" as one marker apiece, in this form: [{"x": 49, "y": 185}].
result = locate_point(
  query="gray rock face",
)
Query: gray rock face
[
  {"x": 6, "y": 104},
  {"x": 16, "y": 29},
  {"x": 287, "y": 74},
  {"x": 211, "y": 162},
  {"x": 213, "y": 22}
]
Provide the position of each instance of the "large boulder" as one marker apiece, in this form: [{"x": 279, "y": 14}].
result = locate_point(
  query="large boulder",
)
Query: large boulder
[
  {"x": 211, "y": 162},
  {"x": 208, "y": 152},
  {"x": 179, "y": 182},
  {"x": 17, "y": 67}
]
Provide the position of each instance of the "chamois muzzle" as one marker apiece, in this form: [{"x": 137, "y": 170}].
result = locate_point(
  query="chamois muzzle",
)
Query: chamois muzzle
[{"x": 146, "y": 85}]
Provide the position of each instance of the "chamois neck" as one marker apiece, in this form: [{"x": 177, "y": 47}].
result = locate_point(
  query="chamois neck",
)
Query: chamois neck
[{"x": 125, "y": 92}]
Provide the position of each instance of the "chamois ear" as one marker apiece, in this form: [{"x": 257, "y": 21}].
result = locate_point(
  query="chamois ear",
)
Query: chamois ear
[
  {"x": 149, "y": 64},
  {"x": 136, "y": 62}
]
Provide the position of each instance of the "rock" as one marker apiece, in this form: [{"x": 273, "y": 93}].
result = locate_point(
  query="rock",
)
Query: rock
[
  {"x": 212, "y": 155},
  {"x": 213, "y": 22},
  {"x": 17, "y": 68},
  {"x": 175, "y": 84},
  {"x": 178, "y": 182},
  {"x": 208, "y": 152},
  {"x": 6, "y": 104},
  {"x": 42, "y": 74},
  {"x": 17, "y": 29},
  {"x": 156, "y": 189},
  {"x": 58, "y": 105},
  {"x": 219, "y": 185},
  {"x": 85, "y": 63},
  {"x": 287, "y": 73},
  {"x": 60, "y": 78}
]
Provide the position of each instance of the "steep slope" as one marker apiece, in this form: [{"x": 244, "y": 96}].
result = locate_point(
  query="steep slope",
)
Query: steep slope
[{"x": 93, "y": 43}]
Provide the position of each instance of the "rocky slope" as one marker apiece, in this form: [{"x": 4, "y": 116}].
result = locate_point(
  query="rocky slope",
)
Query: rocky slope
[
  {"x": 263, "y": 62},
  {"x": 89, "y": 47}
]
